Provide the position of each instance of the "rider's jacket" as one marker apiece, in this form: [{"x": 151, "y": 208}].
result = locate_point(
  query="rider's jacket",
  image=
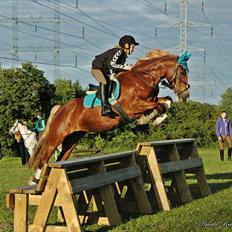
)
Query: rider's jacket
[{"x": 112, "y": 60}]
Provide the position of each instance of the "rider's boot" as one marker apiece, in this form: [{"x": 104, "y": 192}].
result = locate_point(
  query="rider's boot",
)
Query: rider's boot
[{"x": 106, "y": 108}]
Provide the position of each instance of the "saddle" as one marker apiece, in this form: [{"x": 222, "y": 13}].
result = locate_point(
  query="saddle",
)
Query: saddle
[{"x": 93, "y": 98}]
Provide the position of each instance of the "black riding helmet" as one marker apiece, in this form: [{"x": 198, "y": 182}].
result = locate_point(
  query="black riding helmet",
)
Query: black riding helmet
[{"x": 127, "y": 39}]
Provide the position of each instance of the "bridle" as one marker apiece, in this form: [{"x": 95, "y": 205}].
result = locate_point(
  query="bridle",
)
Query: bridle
[{"x": 171, "y": 83}]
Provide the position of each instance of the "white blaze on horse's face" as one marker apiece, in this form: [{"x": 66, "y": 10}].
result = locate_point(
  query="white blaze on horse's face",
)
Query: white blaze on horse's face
[{"x": 14, "y": 128}]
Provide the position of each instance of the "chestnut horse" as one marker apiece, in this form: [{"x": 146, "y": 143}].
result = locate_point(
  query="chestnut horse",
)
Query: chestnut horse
[{"x": 72, "y": 120}]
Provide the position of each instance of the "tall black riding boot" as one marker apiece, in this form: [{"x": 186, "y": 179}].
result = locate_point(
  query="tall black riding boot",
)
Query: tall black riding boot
[
  {"x": 222, "y": 155},
  {"x": 106, "y": 108},
  {"x": 229, "y": 153}
]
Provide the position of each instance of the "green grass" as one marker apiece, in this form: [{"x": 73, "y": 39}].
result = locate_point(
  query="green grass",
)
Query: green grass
[{"x": 212, "y": 213}]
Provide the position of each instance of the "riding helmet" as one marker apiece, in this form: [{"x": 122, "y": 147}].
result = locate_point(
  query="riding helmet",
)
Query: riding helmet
[{"x": 127, "y": 39}]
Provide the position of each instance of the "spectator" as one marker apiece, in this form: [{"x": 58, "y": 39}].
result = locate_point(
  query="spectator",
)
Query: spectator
[{"x": 223, "y": 132}]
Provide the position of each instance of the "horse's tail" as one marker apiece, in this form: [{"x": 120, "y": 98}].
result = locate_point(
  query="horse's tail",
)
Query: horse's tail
[
  {"x": 35, "y": 159},
  {"x": 37, "y": 155},
  {"x": 54, "y": 109}
]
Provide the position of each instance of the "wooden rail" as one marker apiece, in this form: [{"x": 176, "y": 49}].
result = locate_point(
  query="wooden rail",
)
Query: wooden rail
[
  {"x": 171, "y": 160},
  {"x": 109, "y": 188},
  {"x": 76, "y": 186}
]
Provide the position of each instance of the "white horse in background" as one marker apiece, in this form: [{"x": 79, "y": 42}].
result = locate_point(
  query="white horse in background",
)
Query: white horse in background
[{"x": 29, "y": 137}]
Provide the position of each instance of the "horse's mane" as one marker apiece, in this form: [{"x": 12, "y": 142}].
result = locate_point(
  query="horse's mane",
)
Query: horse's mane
[{"x": 152, "y": 55}]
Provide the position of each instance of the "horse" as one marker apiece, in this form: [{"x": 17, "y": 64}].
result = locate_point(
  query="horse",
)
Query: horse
[
  {"x": 28, "y": 136},
  {"x": 72, "y": 120}
]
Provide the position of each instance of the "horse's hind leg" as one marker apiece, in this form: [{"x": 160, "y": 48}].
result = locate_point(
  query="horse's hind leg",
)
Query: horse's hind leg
[{"x": 69, "y": 144}]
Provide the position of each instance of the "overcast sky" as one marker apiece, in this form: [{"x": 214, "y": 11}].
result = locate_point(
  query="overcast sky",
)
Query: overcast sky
[{"x": 105, "y": 21}]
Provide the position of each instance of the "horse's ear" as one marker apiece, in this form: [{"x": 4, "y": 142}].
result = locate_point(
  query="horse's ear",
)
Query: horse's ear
[{"x": 184, "y": 57}]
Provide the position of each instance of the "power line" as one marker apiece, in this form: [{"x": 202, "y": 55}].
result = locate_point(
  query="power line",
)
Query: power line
[{"x": 68, "y": 16}]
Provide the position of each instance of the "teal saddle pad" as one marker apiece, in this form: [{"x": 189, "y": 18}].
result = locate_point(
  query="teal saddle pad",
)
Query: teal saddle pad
[{"x": 91, "y": 99}]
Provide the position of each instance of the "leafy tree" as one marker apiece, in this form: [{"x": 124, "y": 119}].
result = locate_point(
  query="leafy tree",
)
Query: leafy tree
[
  {"x": 23, "y": 92},
  {"x": 66, "y": 90},
  {"x": 225, "y": 102}
]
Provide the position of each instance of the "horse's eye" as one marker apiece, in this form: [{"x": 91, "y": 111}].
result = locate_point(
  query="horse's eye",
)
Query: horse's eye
[{"x": 182, "y": 72}]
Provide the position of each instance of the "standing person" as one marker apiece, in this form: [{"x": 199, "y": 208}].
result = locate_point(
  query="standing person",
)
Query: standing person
[
  {"x": 223, "y": 129},
  {"x": 110, "y": 62},
  {"x": 39, "y": 125}
]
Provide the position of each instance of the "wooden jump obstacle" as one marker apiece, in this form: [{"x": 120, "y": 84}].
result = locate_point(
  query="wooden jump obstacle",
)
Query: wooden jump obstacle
[
  {"x": 107, "y": 188},
  {"x": 173, "y": 160},
  {"x": 75, "y": 186}
]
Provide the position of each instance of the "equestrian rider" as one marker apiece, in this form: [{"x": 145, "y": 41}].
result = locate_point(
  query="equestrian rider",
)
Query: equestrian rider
[
  {"x": 112, "y": 62},
  {"x": 39, "y": 125}
]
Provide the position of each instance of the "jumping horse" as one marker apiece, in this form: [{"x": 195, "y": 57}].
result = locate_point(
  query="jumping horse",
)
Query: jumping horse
[{"x": 72, "y": 120}]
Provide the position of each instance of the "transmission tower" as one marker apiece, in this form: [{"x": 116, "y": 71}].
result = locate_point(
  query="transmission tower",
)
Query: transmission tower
[
  {"x": 183, "y": 24},
  {"x": 56, "y": 20}
]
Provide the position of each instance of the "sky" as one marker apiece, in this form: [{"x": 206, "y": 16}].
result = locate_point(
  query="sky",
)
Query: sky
[{"x": 89, "y": 27}]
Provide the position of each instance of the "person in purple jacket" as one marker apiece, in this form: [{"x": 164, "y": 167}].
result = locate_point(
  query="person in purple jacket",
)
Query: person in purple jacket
[
  {"x": 223, "y": 131},
  {"x": 111, "y": 62}
]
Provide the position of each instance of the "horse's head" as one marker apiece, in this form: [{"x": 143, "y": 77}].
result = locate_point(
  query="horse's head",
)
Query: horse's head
[
  {"x": 178, "y": 77},
  {"x": 164, "y": 65},
  {"x": 14, "y": 128}
]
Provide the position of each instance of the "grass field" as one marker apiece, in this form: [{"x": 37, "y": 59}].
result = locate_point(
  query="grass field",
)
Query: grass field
[{"x": 212, "y": 213}]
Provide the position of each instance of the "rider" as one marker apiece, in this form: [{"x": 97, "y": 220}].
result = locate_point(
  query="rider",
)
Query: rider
[
  {"x": 39, "y": 124},
  {"x": 111, "y": 62}
]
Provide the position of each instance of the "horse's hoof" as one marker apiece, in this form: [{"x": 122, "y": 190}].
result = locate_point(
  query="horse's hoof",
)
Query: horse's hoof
[
  {"x": 159, "y": 120},
  {"x": 33, "y": 181}
]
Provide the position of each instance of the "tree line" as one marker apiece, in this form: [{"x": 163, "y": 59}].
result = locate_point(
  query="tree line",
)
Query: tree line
[{"x": 24, "y": 91}]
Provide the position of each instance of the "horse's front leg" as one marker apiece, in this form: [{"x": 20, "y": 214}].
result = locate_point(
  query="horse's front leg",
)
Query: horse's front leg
[
  {"x": 138, "y": 108},
  {"x": 159, "y": 113}
]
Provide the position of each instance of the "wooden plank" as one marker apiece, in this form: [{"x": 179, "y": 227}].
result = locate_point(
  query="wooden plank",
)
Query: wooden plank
[
  {"x": 167, "y": 142},
  {"x": 157, "y": 181},
  {"x": 68, "y": 204},
  {"x": 43, "y": 177},
  {"x": 180, "y": 165},
  {"x": 25, "y": 189},
  {"x": 103, "y": 179},
  {"x": 180, "y": 179},
  {"x": 10, "y": 200},
  {"x": 202, "y": 182},
  {"x": 139, "y": 192},
  {"x": 107, "y": 197},
  {"x": 47, "y": 200},
  {"x": 105, "y": 157},
  {"x": 20, "y": 213}
]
